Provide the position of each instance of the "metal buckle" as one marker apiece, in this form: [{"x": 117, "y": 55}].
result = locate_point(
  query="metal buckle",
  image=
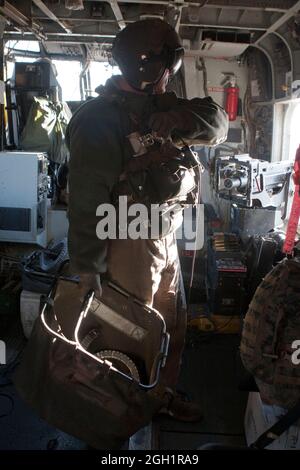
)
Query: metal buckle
[{"x": 147, "y": 140}]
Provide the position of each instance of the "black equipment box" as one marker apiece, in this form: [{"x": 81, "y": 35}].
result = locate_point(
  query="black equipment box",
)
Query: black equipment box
[{"x": 36, "y": 76}]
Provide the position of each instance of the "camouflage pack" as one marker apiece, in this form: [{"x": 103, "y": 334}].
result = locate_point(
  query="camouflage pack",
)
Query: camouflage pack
[{"x": 271, "y": 327}]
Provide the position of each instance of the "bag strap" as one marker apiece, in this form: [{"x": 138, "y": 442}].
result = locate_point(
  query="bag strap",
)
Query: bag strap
[{"x": 278, "y": 428}]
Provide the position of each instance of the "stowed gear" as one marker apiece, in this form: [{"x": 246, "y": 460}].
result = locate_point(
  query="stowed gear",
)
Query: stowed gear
[{"x": 145, "y": 49}]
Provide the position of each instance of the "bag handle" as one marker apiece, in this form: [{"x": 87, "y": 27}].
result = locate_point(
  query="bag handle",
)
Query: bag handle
[{"x": 85, "y": 307}]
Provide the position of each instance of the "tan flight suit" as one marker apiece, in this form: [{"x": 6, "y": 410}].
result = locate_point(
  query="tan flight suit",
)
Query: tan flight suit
[
  {"x": 149, "y": 270},
  {"x": 96, "y": 137}
]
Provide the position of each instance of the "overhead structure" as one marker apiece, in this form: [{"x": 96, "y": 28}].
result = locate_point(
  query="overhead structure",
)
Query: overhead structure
[
  {"x": 261, "y": 23},
  {"x": 118, "y": 14},
  {"x": 41, "y": 5},
  {"x": 33, "y": 17}
]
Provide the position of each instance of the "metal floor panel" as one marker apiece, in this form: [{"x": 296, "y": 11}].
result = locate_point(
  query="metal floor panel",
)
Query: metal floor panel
[
  {"x": 209, "y": 376},
  {"x": 188, "y": 441},
  {"x": 20, "y": 427}
]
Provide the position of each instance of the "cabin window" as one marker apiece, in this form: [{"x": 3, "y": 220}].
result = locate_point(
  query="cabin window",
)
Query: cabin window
[
  {"x": 286, "y": 137},
  {"x": 99, "y": 73},
  {"x": 294, "y": 131},
  {"x": 24, "y": 47},
  {"x": 68, "y": 76}
]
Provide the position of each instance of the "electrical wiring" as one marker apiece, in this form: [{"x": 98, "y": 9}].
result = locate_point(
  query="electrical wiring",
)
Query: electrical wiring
[
  {"x": 6, "y": 371},
  {"x": 195, "y": 251},
  {"x": 223, "y": 327},
  {"x": 203, "y": 68},
  {"x": 249, "y": 121},
  {"x": 5, "y": 395},
  {"x": 195, "y": 337},
  {"x": 243, "y": 126}
]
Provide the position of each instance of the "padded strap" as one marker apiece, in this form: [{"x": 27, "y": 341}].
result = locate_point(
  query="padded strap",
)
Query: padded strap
[{"x": 278, "y": 428}]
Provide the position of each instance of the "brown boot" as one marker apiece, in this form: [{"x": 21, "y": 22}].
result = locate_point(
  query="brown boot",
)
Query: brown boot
[{"x": 181, "y": 409}]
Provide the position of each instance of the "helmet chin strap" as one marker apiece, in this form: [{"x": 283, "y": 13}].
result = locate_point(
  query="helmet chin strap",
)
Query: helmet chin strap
[{"x": 161, "y": 85}]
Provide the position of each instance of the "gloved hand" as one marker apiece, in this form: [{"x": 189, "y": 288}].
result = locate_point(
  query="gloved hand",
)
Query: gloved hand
[
  {"x": 88, "y": 282},
  {"x": 164, "y": 123}
]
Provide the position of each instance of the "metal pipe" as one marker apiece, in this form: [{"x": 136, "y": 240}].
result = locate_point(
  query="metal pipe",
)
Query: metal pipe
[
  {"x": 222, "y": 26},
  {"x": 59, "y": 36},
  {"x": 289, "y": 49},
  {"x": 118, "y": 14},
  {"x": 186, "y": 25},
  {"x": 51, "y": 15},
  {"x": 217, "y": 4},
  {"x": 17, "y": 17}
]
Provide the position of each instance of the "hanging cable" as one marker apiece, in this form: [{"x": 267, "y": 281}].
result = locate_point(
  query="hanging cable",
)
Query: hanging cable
[
  {"x": 204, "y": 71},
  {"x": 201, "y": 66},
  {"x": 195, "y": 250}
]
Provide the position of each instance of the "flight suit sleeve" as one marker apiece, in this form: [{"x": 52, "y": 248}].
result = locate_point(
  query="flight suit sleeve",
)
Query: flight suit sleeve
[
  {"x": 201, "y": 121},
  {"x": 197, "y": 121},
  {"x": 95, "y": 165}
]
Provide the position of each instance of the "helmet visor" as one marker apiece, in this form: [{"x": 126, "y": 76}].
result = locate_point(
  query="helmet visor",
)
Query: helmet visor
[{"x": 156, "y": 64}]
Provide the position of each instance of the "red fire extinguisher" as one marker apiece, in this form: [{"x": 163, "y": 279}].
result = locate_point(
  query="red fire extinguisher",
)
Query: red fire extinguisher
[{"x": 232, "y": 99}]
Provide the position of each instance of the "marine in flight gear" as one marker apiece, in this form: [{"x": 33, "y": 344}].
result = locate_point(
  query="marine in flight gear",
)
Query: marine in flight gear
[{"x": 148, "y": 52}]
